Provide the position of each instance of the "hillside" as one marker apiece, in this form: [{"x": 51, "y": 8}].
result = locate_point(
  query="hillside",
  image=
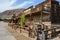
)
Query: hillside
[{"x": 9, "y": 13}]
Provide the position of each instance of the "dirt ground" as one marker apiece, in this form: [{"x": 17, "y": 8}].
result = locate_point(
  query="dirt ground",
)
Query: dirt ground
[{"x": 17, "y": 35}]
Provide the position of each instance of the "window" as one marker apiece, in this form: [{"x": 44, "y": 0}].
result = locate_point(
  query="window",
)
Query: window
[
  {"x": 55, "y": 7},
  {"x": 37, "y": 9},
  {"x": 45, "y": 7}
]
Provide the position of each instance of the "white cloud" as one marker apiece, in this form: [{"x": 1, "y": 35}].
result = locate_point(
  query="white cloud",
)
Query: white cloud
[
  {"x": 7, "y": 4},
  {"x": 21, "y": 5}
]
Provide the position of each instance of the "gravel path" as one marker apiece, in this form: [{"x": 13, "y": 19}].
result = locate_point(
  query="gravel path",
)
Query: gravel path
[{"x": 4, "y": 33}]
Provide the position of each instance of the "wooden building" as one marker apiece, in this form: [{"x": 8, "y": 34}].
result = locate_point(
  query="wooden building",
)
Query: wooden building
[{"x": 47, "y": 11}]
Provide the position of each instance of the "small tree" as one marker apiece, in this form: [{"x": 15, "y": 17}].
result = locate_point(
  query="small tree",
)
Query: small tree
[{"x": 22, "y": 20}]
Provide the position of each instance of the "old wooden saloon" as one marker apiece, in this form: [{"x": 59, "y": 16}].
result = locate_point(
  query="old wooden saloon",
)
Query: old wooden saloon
[{"x": 47, "y": 11}]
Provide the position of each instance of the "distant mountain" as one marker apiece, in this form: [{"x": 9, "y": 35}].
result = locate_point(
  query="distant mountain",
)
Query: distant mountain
[{"x": 9, "y": 13}]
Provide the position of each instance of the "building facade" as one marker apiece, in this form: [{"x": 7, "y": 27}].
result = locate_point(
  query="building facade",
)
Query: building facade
[{"x": 47, "y": 11}]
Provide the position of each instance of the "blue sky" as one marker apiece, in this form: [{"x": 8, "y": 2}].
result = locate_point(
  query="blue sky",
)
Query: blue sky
[{"x": 15, "y": 4}]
